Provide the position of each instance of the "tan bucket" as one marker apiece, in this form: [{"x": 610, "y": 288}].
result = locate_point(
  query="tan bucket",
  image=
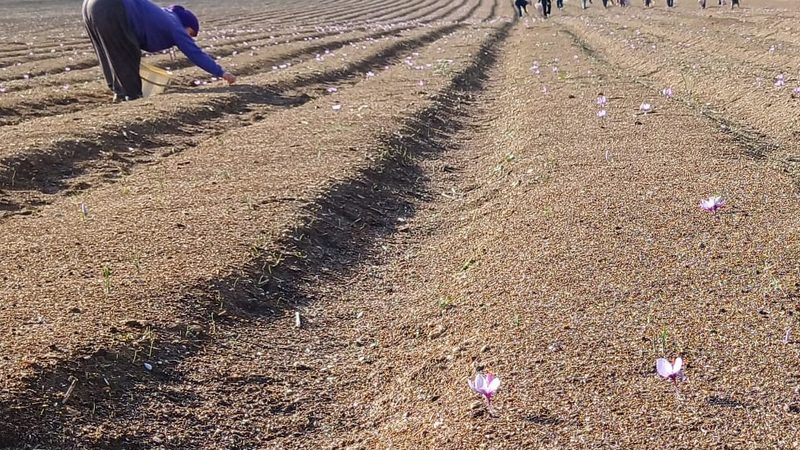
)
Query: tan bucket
[{"x": 154, "y": 79}]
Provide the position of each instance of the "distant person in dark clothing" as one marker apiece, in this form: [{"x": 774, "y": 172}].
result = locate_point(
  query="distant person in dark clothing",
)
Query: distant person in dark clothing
[
  {"x": 522, "y": 6},
  {"x": 121, "y": 29},
  {"x": 670, "y": 3},
  {"x": 546, "y": 8},
  {"x": 560, "y": 4}
]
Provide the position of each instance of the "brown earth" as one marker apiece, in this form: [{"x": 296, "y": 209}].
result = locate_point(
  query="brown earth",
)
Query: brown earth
[{"x": 459, "y": 213}]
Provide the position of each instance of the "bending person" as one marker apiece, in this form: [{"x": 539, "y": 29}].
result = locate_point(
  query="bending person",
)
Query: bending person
[{"x": 121, "y": 29}]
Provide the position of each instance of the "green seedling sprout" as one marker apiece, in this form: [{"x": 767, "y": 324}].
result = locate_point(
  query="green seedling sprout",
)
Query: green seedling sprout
[{"x": 107, "y": 279}]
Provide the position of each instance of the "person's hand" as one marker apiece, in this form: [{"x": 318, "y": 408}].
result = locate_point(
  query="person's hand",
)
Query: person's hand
[{"x": 229, "y": 77}]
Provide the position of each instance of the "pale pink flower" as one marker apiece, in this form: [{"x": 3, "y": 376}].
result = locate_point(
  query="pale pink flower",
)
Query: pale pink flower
[
  {"x": 645, "y": 107},
  {"x": 336, "y": 107},
  {"x": 712, "y": 204},
  {"x": 796, "y": 92},
  {"x": 331, "y": 90},
  {"x": 421, "y": 83},
  {"x": 602, "y": 113},
  {"x": 370, "y": 74},
  {"x": 780, "y": 81},
  {"x": 667, "y": 92},
  {"x": 671, "y": 371},
  {"x": 602, "y": 101},
  {"x": 485, "y": 385}
]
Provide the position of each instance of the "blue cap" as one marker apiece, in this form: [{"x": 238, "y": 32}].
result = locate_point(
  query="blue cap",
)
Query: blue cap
[{"x": 187, "y": 18}]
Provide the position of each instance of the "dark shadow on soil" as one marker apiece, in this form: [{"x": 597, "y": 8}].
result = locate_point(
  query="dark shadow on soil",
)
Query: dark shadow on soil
[
  {"x": 544, "y": 419},
  {"x": 340, "y": 232},
  {"x": 726, "y": 402}
]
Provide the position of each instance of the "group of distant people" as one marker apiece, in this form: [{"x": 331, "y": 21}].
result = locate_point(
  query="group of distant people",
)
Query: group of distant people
[{"x": 545, "y": 6}]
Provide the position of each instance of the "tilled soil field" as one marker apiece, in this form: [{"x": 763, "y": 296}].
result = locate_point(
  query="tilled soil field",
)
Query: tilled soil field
[{"x": 393, "y": 198}]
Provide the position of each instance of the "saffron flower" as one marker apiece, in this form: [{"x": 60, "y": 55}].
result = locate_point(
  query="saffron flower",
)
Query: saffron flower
[
  {"x": 780, "y": 81},
  {"x": 670, "y": 371},
  {"x": 602, "y": 113},
  {"x": 602, "y": 101},
  {"x": 645, "y": 108},
  {"x": 796, "y": 92},
  {"x": 667, "y": 92},
  {"x": 712, "y": 204},
  {"x": 485, "y": 385}
]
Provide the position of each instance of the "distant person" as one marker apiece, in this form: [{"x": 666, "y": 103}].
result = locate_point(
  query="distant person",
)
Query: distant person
[
  {"x": 560, "y": 4},
  {"x": 522, "y": 6},
  {"x": 121, "y": 29},
  {"x": 670, "y": 3},
  {"x": 647, "y": 3},
  {"x": 735, "y": 3},
  {"x": 546, "y": 8}
]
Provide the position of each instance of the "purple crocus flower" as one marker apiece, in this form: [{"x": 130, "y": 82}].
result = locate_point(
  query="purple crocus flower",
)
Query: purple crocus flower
[
  {"x": 670, "y": 371},
  {"x": 602, "y": 101},
  {"x": 667, "y": 92},
  {"x": 485, "y": 385},
  {"x": 780, "y": 81},
  {"x": 712, "y": 204},
  {"x": 602, "y": 114}
]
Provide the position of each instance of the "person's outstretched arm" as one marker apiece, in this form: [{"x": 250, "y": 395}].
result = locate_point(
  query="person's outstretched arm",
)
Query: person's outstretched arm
[{"x": 189, "y": 47}]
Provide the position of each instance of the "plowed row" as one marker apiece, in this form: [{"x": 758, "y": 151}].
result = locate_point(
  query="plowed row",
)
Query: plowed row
[{"x": 394, "y": 197}]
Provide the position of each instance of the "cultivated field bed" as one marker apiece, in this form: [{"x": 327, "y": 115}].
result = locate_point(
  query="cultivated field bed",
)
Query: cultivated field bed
[{"x": 394, "y": 197}]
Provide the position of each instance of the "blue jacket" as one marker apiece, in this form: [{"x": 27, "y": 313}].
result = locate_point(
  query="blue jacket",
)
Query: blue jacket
[{"x": 158, "y": 29}]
